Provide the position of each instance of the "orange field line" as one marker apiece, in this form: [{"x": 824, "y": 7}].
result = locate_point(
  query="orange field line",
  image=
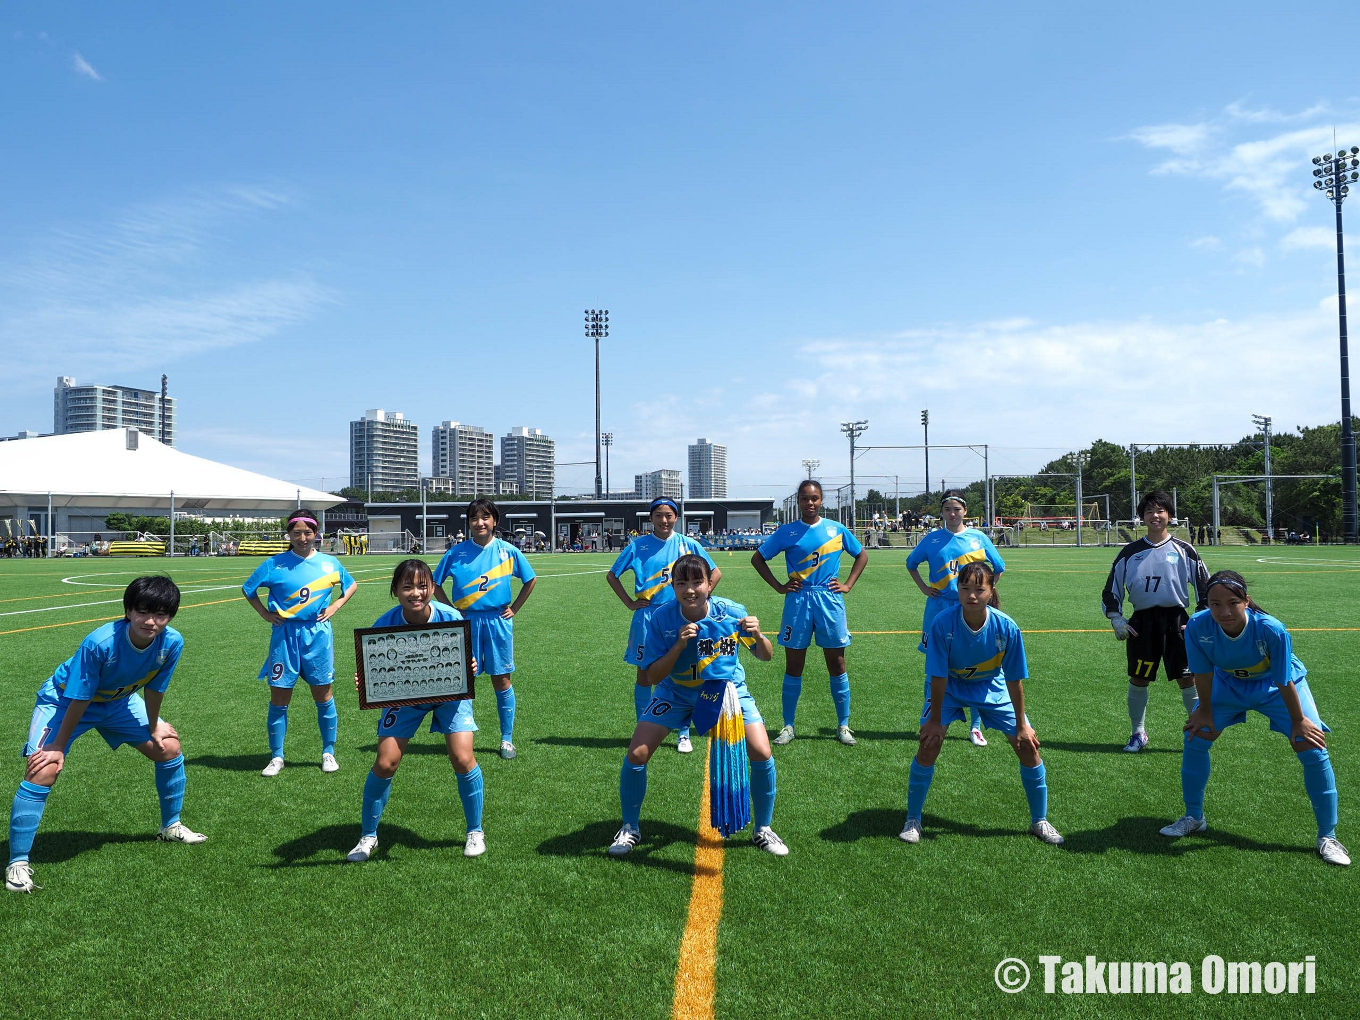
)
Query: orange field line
[{"x": 694, "y": 976}]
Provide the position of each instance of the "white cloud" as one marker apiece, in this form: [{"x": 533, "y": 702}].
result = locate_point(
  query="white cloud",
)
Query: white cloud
[
  {"x": 1308, "y": 237},
  {"x": 1207, "y": 243},
  {"x": 82, "y": 66},
  {"x": 1272, "y": 171},
  {"x": 124, "y": 294},
  {"x": 1254, "y": 256}
]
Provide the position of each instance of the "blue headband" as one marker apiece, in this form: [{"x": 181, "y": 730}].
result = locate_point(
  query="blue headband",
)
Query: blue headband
[{"x": 664, "y": 501}]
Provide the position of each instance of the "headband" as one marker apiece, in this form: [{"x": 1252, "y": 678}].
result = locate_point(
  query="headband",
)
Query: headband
[
  {"x": 1236, "y": 587},
  {"x": 962, "y": 502},
  {"x": 304, "y": 520},
  {"x": 663, "y": 501}
]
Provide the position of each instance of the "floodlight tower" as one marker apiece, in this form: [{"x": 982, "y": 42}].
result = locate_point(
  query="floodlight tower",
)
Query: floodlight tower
[
  {"x": 853, "y": 429},
  {"x": 810, "y": 467},
  {"x": 1334, "y": 175},
  {"x": 1263, "y": 423},
  {"x": 597, "y": 327},
  {"x": 925, "y": 428},
  {"x": 607, "y": 438}
]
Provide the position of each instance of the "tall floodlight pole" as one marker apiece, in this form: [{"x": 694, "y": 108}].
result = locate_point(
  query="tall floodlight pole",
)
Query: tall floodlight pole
[
  {"x": 853, "y": 429},
  {"x": 1263, "y": 423},
  {"x": 810, "y": 467},
  {"x": 925, "y": 427},
  {"x": 1332, "y": 175},
  {"x": 597, "y": 327},
  {"x": 607, "y": 439}
]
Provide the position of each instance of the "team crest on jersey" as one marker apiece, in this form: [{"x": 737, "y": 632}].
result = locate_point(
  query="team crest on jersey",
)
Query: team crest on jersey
[
  {"x": 1261, "y": 649},
  {"x": 165, "y": 653},
  {"x": 1001, "y": 642},
  {"x": 974, "y": 544},
  {"x": 1171, "y": 557}
]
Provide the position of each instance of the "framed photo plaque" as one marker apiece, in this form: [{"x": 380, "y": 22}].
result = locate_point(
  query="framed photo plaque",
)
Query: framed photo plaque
[{"x": 415, "y": 664}]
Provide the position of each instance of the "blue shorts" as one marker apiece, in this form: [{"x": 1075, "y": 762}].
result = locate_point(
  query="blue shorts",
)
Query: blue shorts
[
  {"x": 672, "y": 705},
  {"x": 493, "y": 641},
  {"x": 1232, "y": 700},
  {"x": 403, "y": 722},
  {"x": 992, "y": 703},
  {"x": 934, "y": 607},
  {"x": 118, "y": 722},
  {"x": 812, "y": 611},
  {"x": 637, "y": 635},
  {"x": 300, "y": 648}
]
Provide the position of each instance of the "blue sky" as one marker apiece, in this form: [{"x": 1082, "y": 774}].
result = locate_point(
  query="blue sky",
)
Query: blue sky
[{"x": 1047, "y": 225}]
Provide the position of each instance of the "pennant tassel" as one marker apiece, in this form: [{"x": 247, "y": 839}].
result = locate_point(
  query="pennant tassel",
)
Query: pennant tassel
[{"x": 729, "y": 769}]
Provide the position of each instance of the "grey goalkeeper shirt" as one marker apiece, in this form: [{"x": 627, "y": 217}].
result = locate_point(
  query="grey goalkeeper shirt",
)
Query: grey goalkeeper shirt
[{"x": 1156, "y": 575}]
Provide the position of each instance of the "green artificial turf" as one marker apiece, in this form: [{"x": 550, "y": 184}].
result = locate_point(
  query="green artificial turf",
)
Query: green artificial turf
[{"x": 264, "y": 919}]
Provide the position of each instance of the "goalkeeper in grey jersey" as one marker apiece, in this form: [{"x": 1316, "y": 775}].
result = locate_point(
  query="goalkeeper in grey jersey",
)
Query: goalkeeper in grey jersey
[{"x": 1160, "y": 573}]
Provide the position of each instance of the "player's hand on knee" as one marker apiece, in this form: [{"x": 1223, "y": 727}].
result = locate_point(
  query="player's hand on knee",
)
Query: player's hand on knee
[
  {"x": 1306, "y": 735},
  {"x": 931, "y": 735},
  {"x": 1201, "y": 723},
  {"x": 1026, "y": 739},
  {"x": 48, "y": 759}
]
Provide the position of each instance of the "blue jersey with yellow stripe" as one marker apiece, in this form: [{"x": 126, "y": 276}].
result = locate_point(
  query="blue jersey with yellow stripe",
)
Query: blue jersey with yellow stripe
[
  {"x": 1263, "y": 653},
  {"x": 108, "y": 666},
  {"x": 812, "y": 552},
  {"x": 651, "y": 561},
  {"x": 974, "y": 660},
  {"x": 946, "y": 553},
  {"x": 298, "y": 589},
  {"x": 709, "y": 655},
  {"x": 481, "y": 574}
]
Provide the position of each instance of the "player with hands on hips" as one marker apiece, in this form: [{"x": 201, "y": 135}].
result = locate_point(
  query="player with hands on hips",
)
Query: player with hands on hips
[{"x": 814, "y": 602}]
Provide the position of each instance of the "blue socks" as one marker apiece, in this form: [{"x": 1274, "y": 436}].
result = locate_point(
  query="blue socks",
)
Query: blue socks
[
  {"x": 376, "y": 792},
  {"x": 793, "y": 688},
  {"x": 1320, "y": 783},
  {"x": 470, "y": 793},
  {"x": 24, "y": 817},
  {"x": 762, "y": 792},
  {"x": 277, "y": 726},
  {"x": 1195, "y": 774},
  {"x": 840, "y": 697},
  {"x": 642, "y": 697},
  {"x": 918, "y": 785},
  {"x": 1036, "y": 791},
  {"x": 632, "y": 788},
  {"x": 170, "y": 788},
  {"x": 327, "y": 719},
  {"x": 505, "y": 712}
]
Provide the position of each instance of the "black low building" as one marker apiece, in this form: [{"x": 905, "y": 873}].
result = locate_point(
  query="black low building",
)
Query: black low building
[{"x": 566, "y": 523}]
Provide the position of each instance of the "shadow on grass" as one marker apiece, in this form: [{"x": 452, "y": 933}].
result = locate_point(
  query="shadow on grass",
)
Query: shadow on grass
[
  {"x": 232, "y": 762},
  {"x": 1140, "y": 835},
  {"x": 591, "y": 742},
  {"x": 58, "y": 847},
  {"x": 331, "y": 843},
  {"x": 878, "y": 823},
  {"x": 1088, "y": 748},
  {"x": 593, "y": 839}
]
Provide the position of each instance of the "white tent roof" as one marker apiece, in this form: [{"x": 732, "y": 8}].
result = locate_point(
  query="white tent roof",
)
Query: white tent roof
[{"x": 116, "y": 468}]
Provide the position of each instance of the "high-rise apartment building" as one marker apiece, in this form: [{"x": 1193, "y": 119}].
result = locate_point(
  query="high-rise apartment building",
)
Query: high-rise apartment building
[
  {"x": 658, "y": 484},
  {"x": 91, "y": 408},
  {"x": 384, "y": 452},
  {"x": 528, "y": 460},
  {"x": 465, "y": 453},
  {"x": 707, "y": 470}
]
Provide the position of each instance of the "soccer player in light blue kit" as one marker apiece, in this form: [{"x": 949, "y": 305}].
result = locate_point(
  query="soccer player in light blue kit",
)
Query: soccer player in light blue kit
[
  {"x": 944, "y": 551},
  {"x": 414, "y": 589},
  {"x": 814, "y": 602},
  {"x": 114, "y": 684},
  {"x": 1243, "y": 661},
  {"x": 301, "y": 644},
  {"x": 480, "y": 569},
  {"x": 976, "y": 660},
  {"x": 693, "y": 638},
  {"x": 651, "y": 559}
]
